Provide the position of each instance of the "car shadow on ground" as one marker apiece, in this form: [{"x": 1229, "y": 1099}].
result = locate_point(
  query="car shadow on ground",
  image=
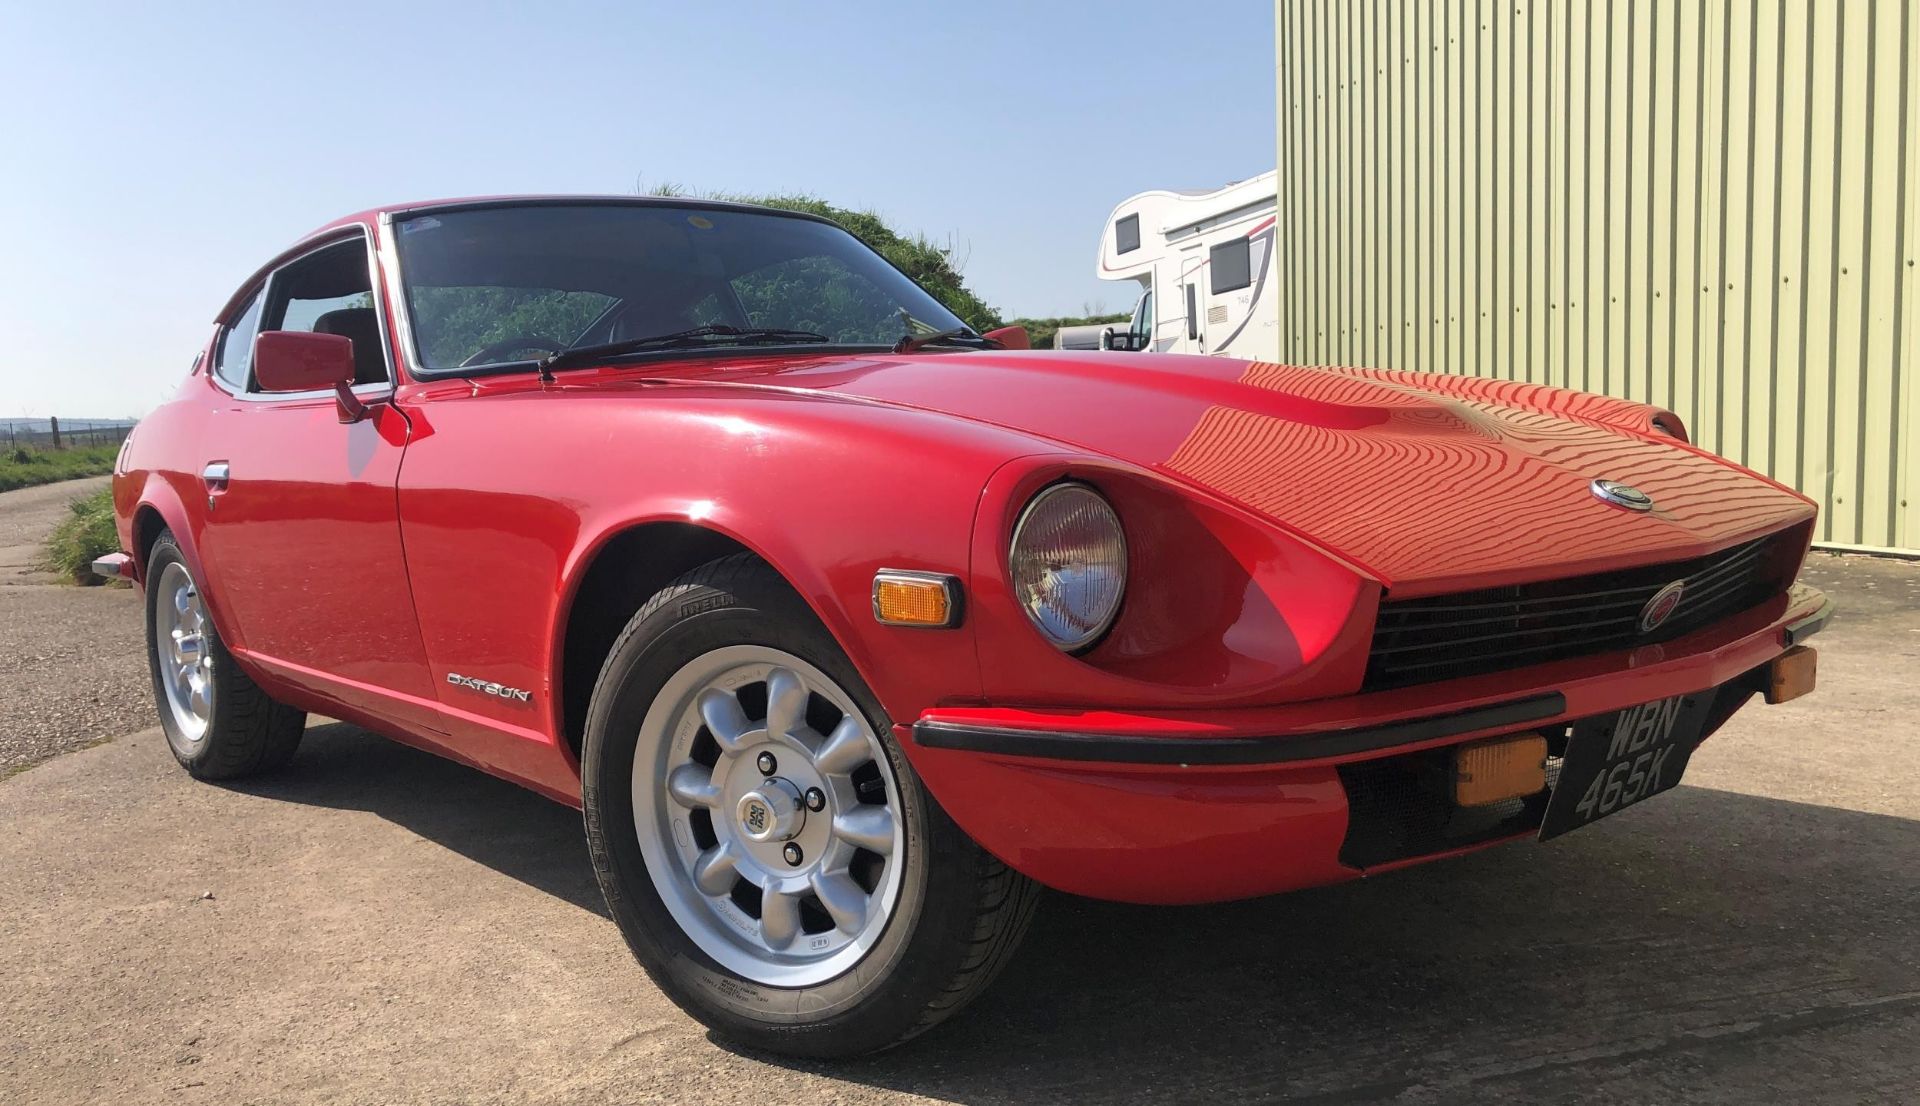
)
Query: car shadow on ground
[
  {"x": 1700, "y": 925},
  {"x": 501, "y": 825}
]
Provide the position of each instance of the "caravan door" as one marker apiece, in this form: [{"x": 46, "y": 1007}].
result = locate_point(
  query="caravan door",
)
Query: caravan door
[{"x": 1190, "y": 330}]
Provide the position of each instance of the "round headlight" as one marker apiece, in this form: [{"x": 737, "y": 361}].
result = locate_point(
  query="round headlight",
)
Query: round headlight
[{"x": 1069, "y": 564}]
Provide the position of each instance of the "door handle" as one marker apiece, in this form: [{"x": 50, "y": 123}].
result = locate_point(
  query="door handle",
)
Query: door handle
[{"x": 215, "y": 476}]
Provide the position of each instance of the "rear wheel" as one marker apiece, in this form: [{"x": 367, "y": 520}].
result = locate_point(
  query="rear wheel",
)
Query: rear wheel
[
  {"x": 769, "y": 854},
  {"x": 218, "y": 722}
]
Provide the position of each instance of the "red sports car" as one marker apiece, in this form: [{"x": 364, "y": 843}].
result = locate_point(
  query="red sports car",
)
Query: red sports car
[{"x": 848, "y": 627}]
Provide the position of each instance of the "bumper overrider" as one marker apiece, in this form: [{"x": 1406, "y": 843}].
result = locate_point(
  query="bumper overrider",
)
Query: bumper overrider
[{"x": 1188, "y": 806}]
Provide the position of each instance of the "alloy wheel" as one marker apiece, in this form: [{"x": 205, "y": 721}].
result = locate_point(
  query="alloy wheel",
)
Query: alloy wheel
[
  {"x": 768, "y": 815},
  {"x": 182, "y": 649}
]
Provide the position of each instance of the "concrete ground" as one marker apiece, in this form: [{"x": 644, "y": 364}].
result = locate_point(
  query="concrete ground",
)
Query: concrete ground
[
  {"x": 71, "y": 667},
  {"x": 380, "y": 926}
]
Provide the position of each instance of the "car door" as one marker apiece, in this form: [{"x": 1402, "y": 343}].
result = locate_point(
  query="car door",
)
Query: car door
[{"x": 302, "y": 534}]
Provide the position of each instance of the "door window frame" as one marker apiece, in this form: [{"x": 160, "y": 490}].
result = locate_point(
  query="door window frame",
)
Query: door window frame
[
  {"x": 255, "y": 305},
  {"x": 331, "y": 239}
]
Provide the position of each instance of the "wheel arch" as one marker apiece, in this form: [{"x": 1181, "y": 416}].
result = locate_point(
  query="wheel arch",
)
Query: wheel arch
[
  {"x": 148, "y": 524},
  {"x": 612, "y": 579},
  {"x": 159, "y": 509}
]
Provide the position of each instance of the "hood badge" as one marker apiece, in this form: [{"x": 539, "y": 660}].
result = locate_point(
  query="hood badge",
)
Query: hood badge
[
  {"x": 1661, "y": 606},
  {"x": 1621, "y": 495}
]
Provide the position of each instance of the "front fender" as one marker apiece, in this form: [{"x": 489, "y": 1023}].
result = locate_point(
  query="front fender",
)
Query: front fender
[
  {"x": 137, "y": 490},
  {"x": 827, "y": 492}
]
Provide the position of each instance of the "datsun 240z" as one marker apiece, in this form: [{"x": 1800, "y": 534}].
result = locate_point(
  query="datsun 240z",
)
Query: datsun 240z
[{"x": 849, "y": 628}]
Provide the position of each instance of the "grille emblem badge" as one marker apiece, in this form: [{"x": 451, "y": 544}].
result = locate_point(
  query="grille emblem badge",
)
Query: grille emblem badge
[
  {"x": 1621, "y": 495},
  {"x": 1661, "y": 606}
]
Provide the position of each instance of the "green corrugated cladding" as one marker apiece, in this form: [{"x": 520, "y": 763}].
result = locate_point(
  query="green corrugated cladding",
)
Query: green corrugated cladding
[{"x": 1707, "y": 206}]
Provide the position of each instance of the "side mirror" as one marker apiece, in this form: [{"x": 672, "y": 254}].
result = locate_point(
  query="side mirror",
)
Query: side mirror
[
  {"x": 1108, "y": 339},
  {"x": 1010, "y": 337},
  {"x": 296, "y": 361}
]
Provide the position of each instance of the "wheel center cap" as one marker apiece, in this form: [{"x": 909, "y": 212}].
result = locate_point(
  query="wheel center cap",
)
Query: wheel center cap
[{"x": 772, "y": 812}]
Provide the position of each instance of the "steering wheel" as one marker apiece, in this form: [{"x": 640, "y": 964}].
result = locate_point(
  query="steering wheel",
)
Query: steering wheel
[{"x": 494, "y": 350}]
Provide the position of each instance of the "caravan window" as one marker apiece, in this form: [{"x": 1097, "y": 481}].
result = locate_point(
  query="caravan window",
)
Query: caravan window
[
  {"x": 1126, "y": 234},
  {"x": 1232, "y": 266}
]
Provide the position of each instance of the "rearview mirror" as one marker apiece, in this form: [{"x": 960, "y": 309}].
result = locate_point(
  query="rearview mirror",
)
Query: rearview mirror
[
  {"x": 1010, "y": 337},
  {"x": 297, "y": 361}
]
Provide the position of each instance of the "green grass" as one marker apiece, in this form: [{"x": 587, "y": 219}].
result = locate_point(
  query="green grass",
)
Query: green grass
[
  {"x": 83, "y": 535},
  {"x": 25, "y": 466}
]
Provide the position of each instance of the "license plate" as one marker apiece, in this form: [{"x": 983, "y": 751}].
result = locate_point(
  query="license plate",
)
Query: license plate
[{"x": 1616, "y": 760}]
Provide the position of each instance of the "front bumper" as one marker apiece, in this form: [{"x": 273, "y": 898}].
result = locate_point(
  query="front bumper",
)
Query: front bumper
[
  {"x": 114, "y": 566},
  {"x": 1200, "y": 806}
]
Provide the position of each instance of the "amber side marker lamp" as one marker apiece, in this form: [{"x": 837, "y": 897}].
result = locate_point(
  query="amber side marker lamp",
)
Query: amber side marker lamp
[
  {"x": 1499, "y": 768},
  {"x": 1791, "y": 674},
  {"x": 928, "y": 599}
]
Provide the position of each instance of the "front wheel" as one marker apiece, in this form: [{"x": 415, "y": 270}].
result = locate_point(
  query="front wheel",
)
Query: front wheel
[
  {"x": 769, "y": 854},
  {"x": 219, "y": 724}
]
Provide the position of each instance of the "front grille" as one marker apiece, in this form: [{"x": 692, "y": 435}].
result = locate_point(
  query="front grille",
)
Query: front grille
[{"x": 1444, "y": 637}]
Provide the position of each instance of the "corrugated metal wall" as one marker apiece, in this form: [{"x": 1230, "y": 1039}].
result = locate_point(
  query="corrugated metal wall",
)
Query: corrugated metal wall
[{"x": 1714, "y": 207}]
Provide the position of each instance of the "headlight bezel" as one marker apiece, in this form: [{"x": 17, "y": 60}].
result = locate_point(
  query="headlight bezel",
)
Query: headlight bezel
[{"x": 1086, "y": 641}]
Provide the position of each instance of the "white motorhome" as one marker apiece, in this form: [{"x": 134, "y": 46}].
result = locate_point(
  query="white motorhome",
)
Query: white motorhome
[{"x": 1204, "y": 261}]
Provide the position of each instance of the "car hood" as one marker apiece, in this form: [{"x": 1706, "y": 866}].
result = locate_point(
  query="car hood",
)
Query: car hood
[{"x": 1425, "y": 491}]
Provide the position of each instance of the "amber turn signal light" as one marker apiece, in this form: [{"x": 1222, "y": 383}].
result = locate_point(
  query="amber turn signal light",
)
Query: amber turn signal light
[
  {"x": 1499, "y": 768},
  {"x": 1791, "y": 674},
  {"x": 916, "y": 598}
]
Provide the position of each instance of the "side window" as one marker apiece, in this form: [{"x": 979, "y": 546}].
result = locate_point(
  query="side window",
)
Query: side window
[
  {"x": 1143, "y": 321},
  {"x": 1126, "y": 234},
  {"x": 233, "y": 363},
  {"x": 1231, "y": 264},
  {"x": 329, "y": 292}
]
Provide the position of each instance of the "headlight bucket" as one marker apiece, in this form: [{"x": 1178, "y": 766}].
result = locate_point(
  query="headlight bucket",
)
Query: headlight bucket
[
  {"x": 1067, "y": 564},
  {"x": 1668, "y": 423}
]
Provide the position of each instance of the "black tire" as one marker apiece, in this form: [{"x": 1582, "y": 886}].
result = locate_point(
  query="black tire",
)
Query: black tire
[
  {"x": 247, "y": 732},
  {"x": 960, "y": 913}
]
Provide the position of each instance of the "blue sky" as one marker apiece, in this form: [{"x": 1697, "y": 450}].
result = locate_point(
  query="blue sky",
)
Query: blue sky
[{"x": 154, "y": 154}]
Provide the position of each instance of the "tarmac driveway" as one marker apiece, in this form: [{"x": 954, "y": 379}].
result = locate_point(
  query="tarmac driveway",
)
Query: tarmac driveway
[{"x": 385, "y": 926}]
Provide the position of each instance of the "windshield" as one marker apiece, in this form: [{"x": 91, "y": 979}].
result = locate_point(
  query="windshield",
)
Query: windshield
[{"x": 500, "y": 284}]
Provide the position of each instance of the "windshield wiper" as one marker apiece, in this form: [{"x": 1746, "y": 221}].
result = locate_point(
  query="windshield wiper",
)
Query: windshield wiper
[
  {"x": 911, "y": 342},
  {"x": 718, "y": 334}
]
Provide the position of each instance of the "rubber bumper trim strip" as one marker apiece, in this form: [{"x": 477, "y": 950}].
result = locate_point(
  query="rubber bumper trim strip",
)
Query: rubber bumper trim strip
[
  {"x": 1126, "y": 749},
  {"x": 1801, "y": 629}
]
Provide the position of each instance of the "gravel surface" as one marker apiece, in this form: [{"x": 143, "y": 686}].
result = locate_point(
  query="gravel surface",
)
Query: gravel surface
[{"x": 72, "y": 667}]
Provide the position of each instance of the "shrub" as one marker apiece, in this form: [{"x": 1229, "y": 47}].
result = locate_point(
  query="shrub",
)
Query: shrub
[
  {"x": 929, "y": 263},
  {"x": 83, "y": 535},
  {"x": 1041, "y": 331}
]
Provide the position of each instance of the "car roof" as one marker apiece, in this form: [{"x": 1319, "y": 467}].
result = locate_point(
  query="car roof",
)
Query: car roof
[{"x": 373, "y": 214}]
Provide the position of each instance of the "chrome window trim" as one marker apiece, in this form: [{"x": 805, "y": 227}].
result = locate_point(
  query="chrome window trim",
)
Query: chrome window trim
[
  {"x": 375, "y": 392},
  {"x": 325, "y": 240},
  {"x": 389, "y": 258},
  {"x": 224, "y": 330}
]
